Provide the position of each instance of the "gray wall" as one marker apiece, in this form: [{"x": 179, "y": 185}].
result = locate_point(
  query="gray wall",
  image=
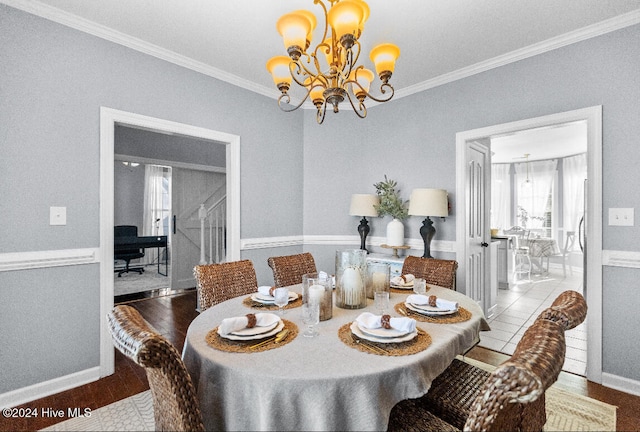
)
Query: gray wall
[
  {"x": 128, "y": 195},
  {"x": 413, "y": 141},
  {"x": 53, "y": 81}
]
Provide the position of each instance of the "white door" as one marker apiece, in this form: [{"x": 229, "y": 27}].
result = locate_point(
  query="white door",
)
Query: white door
[
  {"x": 189, "y": 189},
  {"x": 477, "y": 234}
]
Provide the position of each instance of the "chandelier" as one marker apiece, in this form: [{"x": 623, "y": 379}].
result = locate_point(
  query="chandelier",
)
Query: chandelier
[{"x": 330, "y": 73}]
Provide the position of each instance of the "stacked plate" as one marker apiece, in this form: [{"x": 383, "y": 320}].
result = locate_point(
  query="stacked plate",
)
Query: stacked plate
[
  {"x": 382, "y": 335},
  {"x": 429, "y": 310},
  {"x": 254, "y": 333},
  {"x": 270, "y": 300}
]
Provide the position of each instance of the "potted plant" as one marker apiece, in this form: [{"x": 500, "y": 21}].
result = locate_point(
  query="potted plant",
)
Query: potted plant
[{"x": 391, "y": 204}]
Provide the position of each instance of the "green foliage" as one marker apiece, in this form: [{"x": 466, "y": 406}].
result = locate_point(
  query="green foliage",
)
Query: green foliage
[{"x": 390, "y": 202}]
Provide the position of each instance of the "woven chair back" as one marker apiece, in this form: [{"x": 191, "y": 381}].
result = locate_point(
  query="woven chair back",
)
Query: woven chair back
[
  {"x": 175, "y": 404},
  {"x": 569, "y": 309},
  {"x": 288, "y": 270},
  {"x": 216, "y": 283},
  {"x": 434, "y": 271},
  {"x": 518, "y": 384}
]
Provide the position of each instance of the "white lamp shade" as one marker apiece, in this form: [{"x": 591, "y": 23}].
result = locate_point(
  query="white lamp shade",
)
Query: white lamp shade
[
  {"x": 428, "y": 202},
  {"x": 362, "y": 205}
]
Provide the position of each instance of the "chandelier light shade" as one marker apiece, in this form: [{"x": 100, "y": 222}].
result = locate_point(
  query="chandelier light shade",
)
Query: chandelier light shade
[
  {"x": 364, "y": 205},
  {"x": 329, "y": 73},
  {"x": 428, "y": 202}
]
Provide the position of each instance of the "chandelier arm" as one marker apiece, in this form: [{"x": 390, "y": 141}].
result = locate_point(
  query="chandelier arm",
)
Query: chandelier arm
[
  {"x": 326, "y": 14},
  {"x": 287, "y": 99},
  {"x": 321, "y": 113},
  {"x": 361, "y": 110}
]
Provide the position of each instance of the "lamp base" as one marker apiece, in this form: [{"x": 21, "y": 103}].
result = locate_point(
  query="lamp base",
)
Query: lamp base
[
  {"x": 427, "y": 231},
  {"x": 363, "y": 230}
]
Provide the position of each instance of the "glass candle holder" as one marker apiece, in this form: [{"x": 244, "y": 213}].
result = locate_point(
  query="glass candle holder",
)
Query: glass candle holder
[
  {"x": 317, "y": 288},
  {"x": 378, "y": 278},
  {"x": 351, "y": 271}
]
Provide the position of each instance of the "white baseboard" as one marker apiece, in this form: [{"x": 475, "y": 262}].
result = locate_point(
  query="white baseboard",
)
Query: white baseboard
[
  {"x": 620, "y": 383},
  {"x": 26, "y": 394}
]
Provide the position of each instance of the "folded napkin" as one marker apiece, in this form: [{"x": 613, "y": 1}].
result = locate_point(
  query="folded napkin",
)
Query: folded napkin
[
  {"x": 419, "y": 299},
  {"x": 229, "y": 325},
  {"x": 371, "y": 321},
  {"x": 265, "y": 290},
  {"x": 403, "y": 280}
]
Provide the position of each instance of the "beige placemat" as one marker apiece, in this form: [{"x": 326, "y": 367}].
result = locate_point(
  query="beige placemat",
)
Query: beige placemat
[
  {"x": 214, "y": 340},
  {"x": 460, "y": 316},
  {"x": 415, "y": 345},
  {"x": 257, "y": 305}
]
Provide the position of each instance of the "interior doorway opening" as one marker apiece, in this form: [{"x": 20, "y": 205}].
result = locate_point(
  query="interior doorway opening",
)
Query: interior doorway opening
[{"x": 593, "y": 199}]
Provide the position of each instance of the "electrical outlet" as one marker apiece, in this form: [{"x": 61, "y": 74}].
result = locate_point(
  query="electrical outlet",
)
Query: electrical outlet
[
  {"x": 57, "y": 215},
  {"x": 621, "y": 217}
]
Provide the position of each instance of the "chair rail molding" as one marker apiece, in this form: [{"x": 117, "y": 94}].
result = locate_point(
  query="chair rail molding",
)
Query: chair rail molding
[{"x": 48, "y": 258}]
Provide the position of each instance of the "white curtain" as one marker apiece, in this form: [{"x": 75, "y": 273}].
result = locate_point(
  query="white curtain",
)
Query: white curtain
[
  {"x": 533, "y": 194},
  {"x": 574, "y": 173},
  {"x": 500, "y": 196},
  {"x": 152, "y": 214}
]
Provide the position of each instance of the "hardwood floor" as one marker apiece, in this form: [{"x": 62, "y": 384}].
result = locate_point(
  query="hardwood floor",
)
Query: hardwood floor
[{"x": 171, "y": 315}]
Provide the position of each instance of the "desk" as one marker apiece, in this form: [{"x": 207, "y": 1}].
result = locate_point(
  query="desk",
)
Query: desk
[
  {"x": 145, "y": 242},
  {"x": 317, "y": 383}
]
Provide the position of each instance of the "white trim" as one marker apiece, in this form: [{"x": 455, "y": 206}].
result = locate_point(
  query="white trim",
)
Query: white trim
[
  {"x": 620, "y": 383},
  {"x": 37, "y": 391},
  {"x": 593, "y": 115},
  {"x": 270, "y": 242},
  {"x": 629, "y": 259},
  {"x": 109, "y": 117},
  {"x": 95, "y": 29},
  {"x": 50, "y": 258},
  {"x": 184, "y": 165}
]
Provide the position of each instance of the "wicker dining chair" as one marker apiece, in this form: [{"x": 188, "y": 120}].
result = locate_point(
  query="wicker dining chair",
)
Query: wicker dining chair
[
  {"x": 216, "y": 283},
  {"x": 453, "y": 392},
  {"x": 288, "y": 270},
  {"x": 175, "y": 405},
  {"x": 434, "y": 271},
  {"x": 511, "y": 398}
]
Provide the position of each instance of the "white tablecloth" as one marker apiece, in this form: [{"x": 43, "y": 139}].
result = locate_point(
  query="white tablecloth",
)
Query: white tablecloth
[{"x": 317, "y": 383}]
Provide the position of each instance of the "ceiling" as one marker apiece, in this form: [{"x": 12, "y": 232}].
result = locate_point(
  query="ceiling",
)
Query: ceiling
[{"x": 440, "y": 40}]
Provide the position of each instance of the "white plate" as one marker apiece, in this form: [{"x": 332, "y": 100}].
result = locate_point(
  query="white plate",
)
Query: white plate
[
  {"x": 265, "y": 299},
  {"x": 356, "y": 331},
  {"x": 255, "y": 330},
  {"x": 407, "y": 286},
  {"x": 231, "y": 336},
  {"x": 431, "y": 311},
  {"x": 382, "y": 332}
]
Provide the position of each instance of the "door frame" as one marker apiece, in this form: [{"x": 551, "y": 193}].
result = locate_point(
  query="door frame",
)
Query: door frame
[
  {"x": 109, "y": 118},
  {"x": 593, "y": 117}
]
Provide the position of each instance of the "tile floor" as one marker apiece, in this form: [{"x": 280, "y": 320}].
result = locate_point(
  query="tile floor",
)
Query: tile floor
[{"x": 520, "y": 305}]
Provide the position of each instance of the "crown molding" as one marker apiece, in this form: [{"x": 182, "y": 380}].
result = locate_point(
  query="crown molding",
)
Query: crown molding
[{"x": 95, "y": 29}]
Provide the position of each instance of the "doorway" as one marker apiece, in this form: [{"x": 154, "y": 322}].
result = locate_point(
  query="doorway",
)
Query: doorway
[
  {"x": 109, "y": 118},
  {"x": 593, "y": 230}
]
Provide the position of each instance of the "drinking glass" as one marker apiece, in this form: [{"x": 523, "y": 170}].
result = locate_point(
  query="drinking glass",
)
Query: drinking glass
[
  {"x": 419, "y": 286},
  {"x": 281, "y": 298},
  {"x": 311, "y": 317},
  {"x": 381, "y": 301}
]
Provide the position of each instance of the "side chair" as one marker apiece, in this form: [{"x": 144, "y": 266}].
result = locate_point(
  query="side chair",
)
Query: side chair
[
  {"x": 216, "y": 283},
  {"x": 175, "y": 405},
  {"x": 288, "y": 270},
  {"x": 434, "y": 271},
  {"x": 467, "y": 397}
]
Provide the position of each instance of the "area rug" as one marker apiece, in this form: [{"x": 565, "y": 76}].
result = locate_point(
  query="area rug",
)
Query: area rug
[
  {"x": 565, "y": 412},
  {"x": 130, "y": 283}
]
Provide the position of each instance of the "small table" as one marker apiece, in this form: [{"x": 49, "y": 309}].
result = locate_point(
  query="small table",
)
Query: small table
[{"x": 317, "y": 383}]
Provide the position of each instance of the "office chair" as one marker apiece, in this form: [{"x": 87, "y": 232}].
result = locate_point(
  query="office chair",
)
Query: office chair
[{"x": 127, "y": 254}]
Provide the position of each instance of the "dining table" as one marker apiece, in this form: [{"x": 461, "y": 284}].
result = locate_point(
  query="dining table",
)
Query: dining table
[{"x": 322, "y": 383}]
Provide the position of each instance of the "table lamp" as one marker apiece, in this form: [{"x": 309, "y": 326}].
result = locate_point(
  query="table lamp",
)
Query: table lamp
[
  {"x": 428, "y": 202},
  {"x": 363, "y": 205}
]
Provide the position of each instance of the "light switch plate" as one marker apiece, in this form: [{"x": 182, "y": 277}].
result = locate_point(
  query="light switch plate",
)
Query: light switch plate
[
  {"x": 57, "y": 215},
  {"x": 621, "y": 217}
]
